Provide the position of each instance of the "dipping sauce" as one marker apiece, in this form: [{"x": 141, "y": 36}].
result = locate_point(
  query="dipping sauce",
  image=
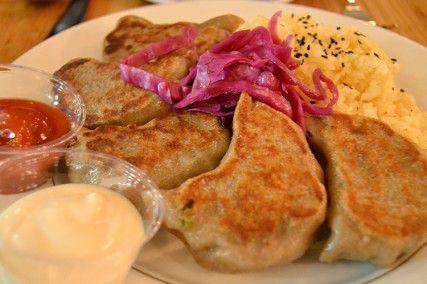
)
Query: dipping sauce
[
  {"x": 26, "y": 123},
  {"x": 71, "y": 233}
]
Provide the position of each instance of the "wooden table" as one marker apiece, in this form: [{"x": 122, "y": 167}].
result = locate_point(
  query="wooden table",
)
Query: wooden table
[{"x": 25, "y": 23}]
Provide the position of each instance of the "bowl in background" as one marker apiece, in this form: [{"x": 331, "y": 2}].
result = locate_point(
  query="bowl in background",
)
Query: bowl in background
[
  {"x": 22, "y": 175},
  {"x": 19, "y": 82}
]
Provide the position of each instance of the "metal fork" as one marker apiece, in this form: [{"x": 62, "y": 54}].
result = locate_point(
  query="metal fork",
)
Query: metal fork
[
  {"x": 72, "y": 16},
  {"x": 352, "y": 9}
]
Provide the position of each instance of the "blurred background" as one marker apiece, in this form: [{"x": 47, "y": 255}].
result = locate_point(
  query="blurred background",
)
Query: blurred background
[{"x": 25, "y": 23}]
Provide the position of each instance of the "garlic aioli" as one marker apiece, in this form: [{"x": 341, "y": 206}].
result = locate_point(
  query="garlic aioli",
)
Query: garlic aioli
[{"x": 71, "y": 233}]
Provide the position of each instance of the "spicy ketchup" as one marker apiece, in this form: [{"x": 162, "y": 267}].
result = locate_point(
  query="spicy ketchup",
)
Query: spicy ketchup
[{"x": 26, "y": 123}]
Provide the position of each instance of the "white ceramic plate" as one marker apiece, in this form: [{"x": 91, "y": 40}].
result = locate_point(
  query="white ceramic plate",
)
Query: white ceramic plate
[{"x": 165, "y": 257}]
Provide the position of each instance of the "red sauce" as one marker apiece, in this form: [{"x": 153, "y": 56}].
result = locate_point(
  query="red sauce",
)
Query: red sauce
[{"x": 25, "y": 123}]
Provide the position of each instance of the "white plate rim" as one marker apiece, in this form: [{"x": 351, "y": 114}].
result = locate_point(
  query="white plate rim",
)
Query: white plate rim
[{"x": 26, "y": 57}]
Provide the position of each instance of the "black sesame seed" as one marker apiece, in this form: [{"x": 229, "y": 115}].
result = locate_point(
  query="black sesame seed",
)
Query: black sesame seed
[
  {"x": 305, "y": 22},
  {"x": 392, "y": 88},
  {"x": 308, "y": 47},
  {"x": 359, "y": 34},
  {"x": 394, "y": 59},
  {"x": 312, "y": 102},
  {"x": 349, "y": 52},
  {"x": 359, "y": 41},
  {"x": 338, "y": 48},
  {"x": 305, "y": 27},
  {"x": 342, "y": 39},
  {"x": 347, "y": 85},
  {"x": 188, "y": 205},
  {"x": 376, "y": 55},
  {"x": 308, "y": 17},
  {"x": 342, "y": 64},
  {"x": 338, "y": 28},
  {"x": 324, "y": 56},
  {"x": 306, "y": 55},
  {"x": 367, "y": 53},
  {"x": 402, "y": 90},
  {"x": 297, "y": 55},
  {"x": 302, "y": 61},
  {"x": 320, "y": 42},
  {"x": 334, "y": 54}
]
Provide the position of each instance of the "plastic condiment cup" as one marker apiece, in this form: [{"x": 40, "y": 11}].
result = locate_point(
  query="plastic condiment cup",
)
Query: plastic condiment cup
[
  {"x": 71, "y": 166},
  {"x": 19, "y": 82}
]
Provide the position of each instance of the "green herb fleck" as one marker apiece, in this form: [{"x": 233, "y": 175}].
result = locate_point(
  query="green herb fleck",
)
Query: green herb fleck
[{"x": 185, "y": 224}]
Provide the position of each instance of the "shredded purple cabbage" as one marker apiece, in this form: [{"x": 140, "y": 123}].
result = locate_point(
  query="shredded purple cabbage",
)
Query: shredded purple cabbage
[
  {"x": 167, "y": 91},
  {"x": 253, "y": 61},
  {"x": 272, "y": 27},
  {"x": 155, "y": 50}
]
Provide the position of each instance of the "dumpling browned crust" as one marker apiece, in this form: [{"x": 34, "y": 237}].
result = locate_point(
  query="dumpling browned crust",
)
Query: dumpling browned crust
[
  {"x": 261, "y": 206},
  {"x": 377, "y": 182},
  {"x": 132, "y": 33},
  {"x": 170, "y": 150},
  {"x": 107, "y": 98}
]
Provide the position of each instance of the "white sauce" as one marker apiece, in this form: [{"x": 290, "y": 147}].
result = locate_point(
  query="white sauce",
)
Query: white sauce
[{"x": 72, "y": 233}]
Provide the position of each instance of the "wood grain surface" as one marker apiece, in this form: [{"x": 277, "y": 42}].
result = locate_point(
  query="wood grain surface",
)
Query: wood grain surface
[{"x": 25, "y": 23}]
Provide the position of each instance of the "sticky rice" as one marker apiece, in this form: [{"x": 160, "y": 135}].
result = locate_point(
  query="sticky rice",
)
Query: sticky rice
[{"x": 363, "y": 72}]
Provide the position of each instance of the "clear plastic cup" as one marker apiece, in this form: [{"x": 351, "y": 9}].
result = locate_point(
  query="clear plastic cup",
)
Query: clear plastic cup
[
  {"x": 19, "y": 82},
  {"x": 25, "y": 174}
]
